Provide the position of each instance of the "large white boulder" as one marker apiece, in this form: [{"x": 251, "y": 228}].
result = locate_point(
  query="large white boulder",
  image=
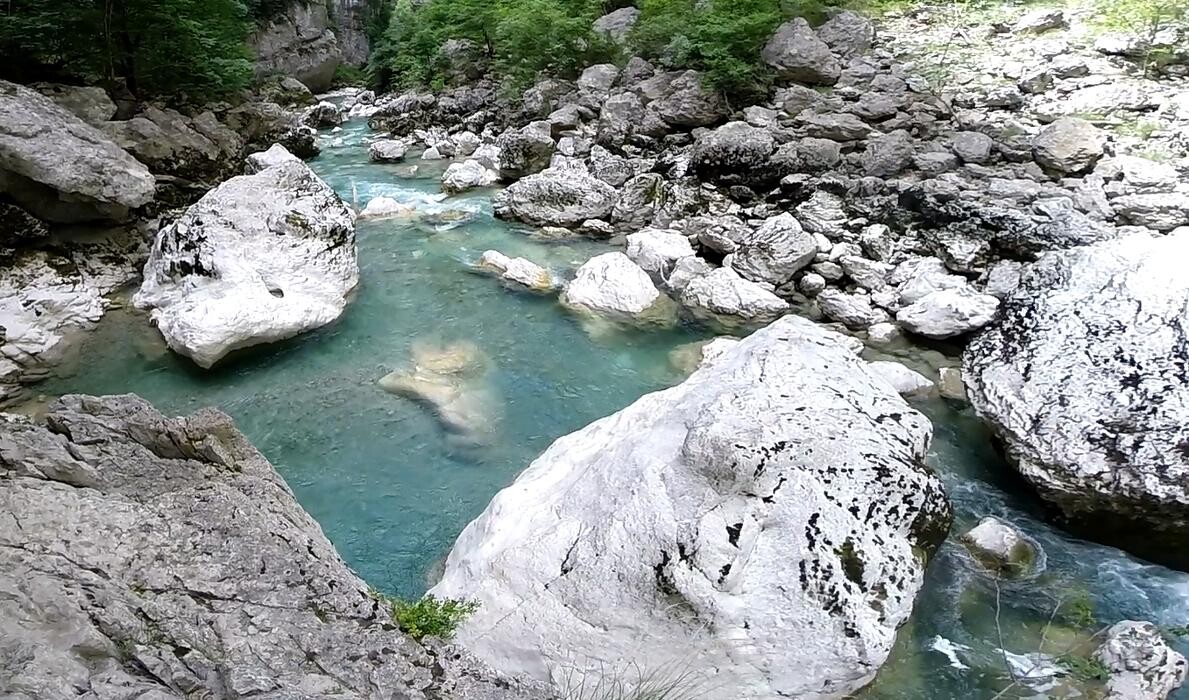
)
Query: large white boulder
[
  {"x": 723, "y": 293},
  {"x": 556, "y": 197},
  {"x": 467, "y": 175},
  {"x": 1141, "y": 664},
  {"x": 59, "y": 167},
  {"x": 612, "y": 285},
  {"x": 657, "y": 251},
  {"x": 1084, "y": 380},
  {"x": 770, "y": 517},
  {"x": 948, "y": 312},
  {"x": 260, "y": 258},
  {"x": 775, "y": 251}
]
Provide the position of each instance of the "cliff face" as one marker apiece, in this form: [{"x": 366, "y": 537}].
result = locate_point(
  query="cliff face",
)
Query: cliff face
[
  {"x": 144, "y": 556},
  {"x": 350, "y": 17},
  {"x": 300, "y": 42}
]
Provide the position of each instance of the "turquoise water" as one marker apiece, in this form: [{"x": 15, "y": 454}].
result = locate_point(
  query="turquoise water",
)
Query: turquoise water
[{"x": 392, "y": 490}]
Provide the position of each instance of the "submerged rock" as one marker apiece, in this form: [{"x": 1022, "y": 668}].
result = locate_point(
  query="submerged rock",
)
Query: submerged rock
[
  {"x": 387, "y": 208},
  {"x": 133, "y": 541},
  {"x": 452, "y": 379},
  {"x": 62, "y": 169},
  {"x": 520, "y": 271},
  {"x": 905, "y": 381},
  {"x": 467, "y": 175},
  {"x": 260, "y": 258},
  {"x": 700, "y": 520},
  {"x": 1084, "y": 380}
]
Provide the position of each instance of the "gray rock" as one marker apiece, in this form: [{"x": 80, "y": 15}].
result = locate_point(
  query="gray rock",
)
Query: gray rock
[
  {"x": 1160, "y": 212},
  {"x": 734, "y": 153},
  {"x": 1001, "y": 548},
  {"x": 836, "y": 127},
  {"x": 807, "y": 155},
  {"x": 1141, "y": 664},
  {"x": 905, "y": 381},
  {"x": 610, "y": 168},
  {"x": 687, "y": 102},
  {"x": 796, "y": 53},
  {"x": 848, "y": 34},
  {"x": 951, "y": 385},
  {"x": 935, "y": 162},
  {"x": 180, "y": 564},
  {"x": 972, "y": 146},
  {"x": 323, "y": 115},
  {"x": 775, "y": 251},
  {"x": 613, "y": 286},
  {"x": 852, "y": 310},
  {"x": 264, "y": 160},
  {"x": 866, "y": 273},
  {"x": 823, "y": 213},
  {"x": 948, "y": 313},
  {"x": 62, "y": 169},
  {"x": 619, "y": 118},
  {"x": 657, "y": 251},
  {"x": 618, "y": 24},
  {"x": 1068, "y": 145},
  {"x": 91, "y": 104},
  {"x": 1083, "y": 380},
  {"x": 887, "y": 156},
  {"x": 525, "y": 151},
  {"x": 598, "y": 78},
  {"x": 387, "y": 151},
  {"x": 467, "y": 175},
  {"x": 876, "y": 106},
  {"x": 258, "y": 259},
  {"x": 298, "y": 42},
  {"x": 811, "y": 284},
  {"x": 604, "y": 516},
  {"x": 1041, "y": 20},
  {"x": 722, "y": 296},
  {"x": 555, "y": 197}
]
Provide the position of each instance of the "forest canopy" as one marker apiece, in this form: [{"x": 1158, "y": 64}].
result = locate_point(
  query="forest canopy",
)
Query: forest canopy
[{"x": 193, "y": 48}]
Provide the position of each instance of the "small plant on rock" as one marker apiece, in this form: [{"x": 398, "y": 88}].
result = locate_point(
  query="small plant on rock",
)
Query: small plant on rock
[{"x": 430, "y": 616}]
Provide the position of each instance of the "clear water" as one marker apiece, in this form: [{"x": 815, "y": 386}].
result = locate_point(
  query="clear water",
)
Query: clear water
[{"x": 392, "y": 489}]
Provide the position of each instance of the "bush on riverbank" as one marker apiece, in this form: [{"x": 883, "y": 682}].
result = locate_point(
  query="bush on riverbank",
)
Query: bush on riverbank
[{"x": 518, "y": 39}]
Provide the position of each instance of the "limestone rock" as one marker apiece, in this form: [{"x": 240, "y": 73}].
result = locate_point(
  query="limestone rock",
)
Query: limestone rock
[
  {"x": 260, "y": 258},
  {"x": 618, "y": 24},
  {"x": 948, "y": 313},
  {"x": 387, "y": 151},
  {"x": 657, "y": 251},
  {"x": 612, "y": 285},
  {"x": 796, "y": 53},
  {"x": 848, "y": 34},
  {"x": 1159, "y": 212},
  {"x": 467, "y": 175},
  {"x": 135, "y": 541},
  {"x": 525, "y": 151},
  {"x": 1001, "y": 548},
  {"x": 62, "y": 169},
  {"x": 556, "y": 197},
  {"x": 452, "y": 380},
  {"x": 386, "y": 208},
  {"x": 275, "y": 155},
  {"x": 681, "y": 517},
  {"x": 1069, "y": 145},
  {"x": 520, "y": 271},
  {"x": 1141, "y": 664},
  {"x": 775, "y": 251},
  {"x": 905, "y": 381},
  {"x": 89, "y": 103},
  {"x": 298, "y": 42},
  {"x": 734, "y": 153},
  {"x": 1083, "y": 379},
  {"x": 855, "y": 311},
  {"x": 722, "y": 295}
]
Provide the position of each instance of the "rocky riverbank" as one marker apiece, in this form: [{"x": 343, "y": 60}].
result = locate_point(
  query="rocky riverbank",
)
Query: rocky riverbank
[
  {"x": 904, "y": 184},
  {"x": 164, "y": 557}
]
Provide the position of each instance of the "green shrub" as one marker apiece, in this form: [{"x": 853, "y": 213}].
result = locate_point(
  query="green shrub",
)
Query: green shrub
[
  {"x": 348, "y": 76},
  {"x": 430, "y": 616}
]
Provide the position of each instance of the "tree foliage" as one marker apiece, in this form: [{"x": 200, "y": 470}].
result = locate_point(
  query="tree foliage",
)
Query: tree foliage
[
  {"x": 722, "y": 38},
  {"x": 517, "y": 38},
  {"x": 186, "y": 48}
]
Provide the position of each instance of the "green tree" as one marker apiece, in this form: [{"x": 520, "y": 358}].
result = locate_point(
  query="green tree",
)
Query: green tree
[{"x": 184, "y": 48}]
